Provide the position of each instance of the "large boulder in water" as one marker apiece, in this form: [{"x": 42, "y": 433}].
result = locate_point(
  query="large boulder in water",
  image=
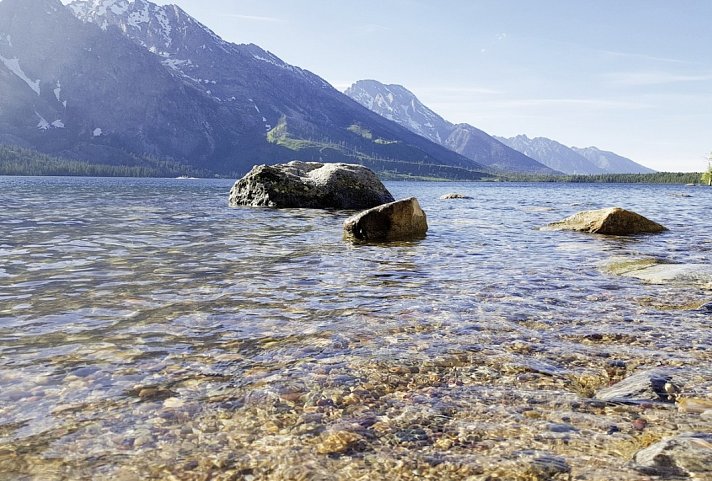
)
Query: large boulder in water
[
  {"x": 400, "y": 220},
  {"x": 611, "y": 221},
  {"x": 310, "y": 185}
]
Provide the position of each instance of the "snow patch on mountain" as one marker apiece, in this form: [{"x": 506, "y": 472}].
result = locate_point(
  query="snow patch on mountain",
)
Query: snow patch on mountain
[
  {"x": 99, "y": 6},
  {"x": 139, "y": 18},
  {"x": 120, "y": 8},
  {"x": 165, "y": 26},
  {"x": 58, "y": 91},
  {"x": 176, "y": 64},
  {"x": 58, "y": 124},
  {"x": 97, "y": 132},
  {"x": 42, "y": 124},
  {"x": 14, "y": 65},
  {"x": 274, "y": 62}
]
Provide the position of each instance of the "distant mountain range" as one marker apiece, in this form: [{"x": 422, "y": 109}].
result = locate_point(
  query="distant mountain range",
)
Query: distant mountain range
[
  {"x": 611, "y": 162},
  {"x": 117, "y": 81},
  {"x": 400, "y": 105},
  {"x": 131, "y": 83},
  {"x": 573, "y": 160},
  {"x": 535, "y": 156}
]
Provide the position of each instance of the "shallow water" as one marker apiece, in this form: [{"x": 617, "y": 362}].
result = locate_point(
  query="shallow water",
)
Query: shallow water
[{"x": 149, "y": 331}]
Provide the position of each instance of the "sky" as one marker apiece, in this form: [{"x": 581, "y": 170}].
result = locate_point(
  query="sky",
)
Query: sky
[{"x": 630, "y": 76}]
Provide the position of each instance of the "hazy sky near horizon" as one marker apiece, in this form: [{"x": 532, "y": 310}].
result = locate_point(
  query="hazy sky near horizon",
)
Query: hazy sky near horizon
[{"x": 632, "y": 76}]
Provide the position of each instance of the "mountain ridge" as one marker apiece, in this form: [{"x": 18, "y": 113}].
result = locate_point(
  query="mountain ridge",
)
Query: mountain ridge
[
  {"x": 574, "y": 160},
  {"x": 397, "y": 103},
  {"x": 139, "y": 79}
]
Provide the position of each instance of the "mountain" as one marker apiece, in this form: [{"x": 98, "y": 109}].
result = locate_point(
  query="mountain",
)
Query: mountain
[
  {"x": 611, "y": 162},
  {"x": 553, "y": 154},
  {"x": 117, "y": 81},
  {"x": 572, "y": 160},
  {"x": 398, "y": 104}
]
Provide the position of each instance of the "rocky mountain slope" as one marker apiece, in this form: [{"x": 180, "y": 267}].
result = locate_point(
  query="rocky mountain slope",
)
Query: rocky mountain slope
[
  {"x": 572, "y": 160},
  {"x": 552, "y": 153},
  {"x": 398, "y": 104},
  {"x": 611, "y": 162},
  {"x": 111, "y": 81}
]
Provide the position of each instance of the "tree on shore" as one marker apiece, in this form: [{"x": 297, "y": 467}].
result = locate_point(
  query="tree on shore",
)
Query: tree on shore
[{"x": 707, "y": 176}]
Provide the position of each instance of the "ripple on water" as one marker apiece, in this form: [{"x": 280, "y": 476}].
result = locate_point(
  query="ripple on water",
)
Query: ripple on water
[{"x": 168, "y": 335}]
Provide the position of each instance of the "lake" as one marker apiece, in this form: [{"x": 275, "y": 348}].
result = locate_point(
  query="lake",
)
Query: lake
[{"x": 149, "y": 331}]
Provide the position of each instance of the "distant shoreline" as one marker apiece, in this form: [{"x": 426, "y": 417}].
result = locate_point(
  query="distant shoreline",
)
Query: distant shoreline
[{"x": 17, "y": 161}]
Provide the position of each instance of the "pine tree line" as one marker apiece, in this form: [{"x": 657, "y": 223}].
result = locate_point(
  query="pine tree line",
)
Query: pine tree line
[{"x": 20, "y": 161}]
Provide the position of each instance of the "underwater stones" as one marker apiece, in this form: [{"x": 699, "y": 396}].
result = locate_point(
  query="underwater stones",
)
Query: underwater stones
[
  {"x": 396, "y": 221},
  {"x": 657, "y": 271},
  {"x": 688, "y": 454},
  {"x": 611, "y": 221},
  {"x": 682, "y": 274},
  {"x": 310, "y": 185},
  {"x": 548, "y": 466},
  {"x": 173, "y": 402},
  {"x": 694, "y": 405},
  {"x": 338, "y": 442},
  {"x": 640, "y": 387},
  {"x": 454, "y": 195}
]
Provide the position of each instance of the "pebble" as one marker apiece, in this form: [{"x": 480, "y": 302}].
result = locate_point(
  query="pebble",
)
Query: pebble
[
  {"x": 142, "y": 441},
  {"x": 173, "y": 402},
  {"x": 338, "y": 442},
  {"x": 561, "y": 428},
  {"x": 639, "y": 424}
]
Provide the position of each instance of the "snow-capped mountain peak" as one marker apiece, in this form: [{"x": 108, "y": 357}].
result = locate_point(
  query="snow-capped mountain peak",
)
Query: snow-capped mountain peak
[
  {"x": 190, "y": 49},
  {"x": 153, "y": 26},
  {"x": 399, "y": 104}
]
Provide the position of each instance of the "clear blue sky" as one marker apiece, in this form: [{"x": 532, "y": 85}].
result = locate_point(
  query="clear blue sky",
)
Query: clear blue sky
[{"x": 631, "y": 76}]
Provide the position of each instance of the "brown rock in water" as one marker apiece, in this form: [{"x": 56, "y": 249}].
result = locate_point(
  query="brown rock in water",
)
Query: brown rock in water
[
  {"x": 688, "y": 454},
  {"x": 312, "y": 185},
  {"x": 338, "y": 442},
  {"x": 400, "y": 220},
  {"x": 611, "y": 221}
]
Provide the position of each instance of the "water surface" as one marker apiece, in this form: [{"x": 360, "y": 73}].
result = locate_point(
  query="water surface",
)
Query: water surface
[{"x": 147, "y": 330}]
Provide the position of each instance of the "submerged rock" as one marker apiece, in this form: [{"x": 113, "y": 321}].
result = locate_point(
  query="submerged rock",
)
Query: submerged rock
[
  {"x": 310, "y": 185},
  {"x": 454, "y": 195},
  {"x": 657, "y": 271},
  {"x": 688, "y": 454},
  {"x": 338, "y": 442},
  {"x": 682, "y": 274},
  {"x": 694, "y": 405},
  {"x": 400, "y": 220},
  {"x": 640, "y": 387},
  {"x": 611, "y": 221}
]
